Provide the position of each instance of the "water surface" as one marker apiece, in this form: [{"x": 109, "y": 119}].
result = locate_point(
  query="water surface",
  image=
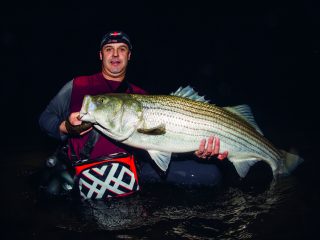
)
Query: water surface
[{"x": 254, "y": 208}]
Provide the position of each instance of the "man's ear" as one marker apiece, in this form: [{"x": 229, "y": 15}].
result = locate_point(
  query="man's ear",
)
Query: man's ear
[
  {"x": 129, "y": 55},
  {"x": 100, "y": 55}
]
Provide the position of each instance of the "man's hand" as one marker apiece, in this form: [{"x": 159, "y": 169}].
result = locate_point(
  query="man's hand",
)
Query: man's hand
[
  {"x": 212, "y": 150},
  {"x": 74, "y": 126}
]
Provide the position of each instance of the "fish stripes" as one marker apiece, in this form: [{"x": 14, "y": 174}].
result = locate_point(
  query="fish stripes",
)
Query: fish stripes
[
  {"x": 193, "y": 112},
  {"x": 165, "y": 124}
]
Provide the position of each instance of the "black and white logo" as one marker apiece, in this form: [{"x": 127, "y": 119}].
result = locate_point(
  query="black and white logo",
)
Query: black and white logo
[{"x": 107, "y": 180}]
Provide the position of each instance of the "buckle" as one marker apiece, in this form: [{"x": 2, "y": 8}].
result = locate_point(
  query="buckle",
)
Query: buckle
[
  {"x": 109, "y": 157},
  {"x": 118, "y": 155}
]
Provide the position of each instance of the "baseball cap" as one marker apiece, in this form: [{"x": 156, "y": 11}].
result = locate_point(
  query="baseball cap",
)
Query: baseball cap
[{"x": 115, "y": 37}]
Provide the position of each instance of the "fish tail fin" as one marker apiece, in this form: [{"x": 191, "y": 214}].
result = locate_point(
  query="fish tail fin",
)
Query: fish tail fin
[{"x": 290, "y": 161}]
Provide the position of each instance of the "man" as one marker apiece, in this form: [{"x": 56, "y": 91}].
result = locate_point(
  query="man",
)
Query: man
[{"x": 61, "y": 117}]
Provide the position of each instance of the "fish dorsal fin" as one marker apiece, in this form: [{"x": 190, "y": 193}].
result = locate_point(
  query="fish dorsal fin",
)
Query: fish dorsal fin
[
  {"x": 244, "y": 111},
  {"x": 158, "y": 130},
  {"x": 189, "y": 92},
  {"x": 162, "y": 159}
]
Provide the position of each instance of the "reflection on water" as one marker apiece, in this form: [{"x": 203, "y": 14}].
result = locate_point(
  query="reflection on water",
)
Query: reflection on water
[{"x": 159, "y": 211}]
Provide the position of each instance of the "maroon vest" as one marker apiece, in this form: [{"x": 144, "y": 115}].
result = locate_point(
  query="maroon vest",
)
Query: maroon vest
[{"x": 94, "y": 85}]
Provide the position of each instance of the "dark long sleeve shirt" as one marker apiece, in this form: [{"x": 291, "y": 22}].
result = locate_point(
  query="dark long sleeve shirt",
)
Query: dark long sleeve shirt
[{"x": 56, "y": 112}]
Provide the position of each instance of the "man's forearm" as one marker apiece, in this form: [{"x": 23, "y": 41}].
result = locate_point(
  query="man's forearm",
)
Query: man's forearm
[{"x": 52, "y": 118}]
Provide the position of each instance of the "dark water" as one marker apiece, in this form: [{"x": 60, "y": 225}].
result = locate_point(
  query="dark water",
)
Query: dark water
[{"x": 255, "y": 208}]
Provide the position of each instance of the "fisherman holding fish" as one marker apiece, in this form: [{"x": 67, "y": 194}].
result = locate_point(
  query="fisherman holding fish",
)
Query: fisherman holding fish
[{"x": 103, "y": 167}]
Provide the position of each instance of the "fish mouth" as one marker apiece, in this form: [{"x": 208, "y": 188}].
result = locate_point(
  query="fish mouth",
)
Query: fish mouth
[
  {"x": 86, "y": 117},
  {"x": 81, "y": 115}
]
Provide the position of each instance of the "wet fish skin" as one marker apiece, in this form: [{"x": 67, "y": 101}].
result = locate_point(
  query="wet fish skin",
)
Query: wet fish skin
[{"x": 165, "y": 124}]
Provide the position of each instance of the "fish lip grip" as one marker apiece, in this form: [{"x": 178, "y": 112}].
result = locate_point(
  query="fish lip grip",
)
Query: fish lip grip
[{"x": 75, "y": 130}]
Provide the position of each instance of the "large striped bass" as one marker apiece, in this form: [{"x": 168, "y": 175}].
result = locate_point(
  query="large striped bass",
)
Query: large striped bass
[{"x": 176, "y": 123}]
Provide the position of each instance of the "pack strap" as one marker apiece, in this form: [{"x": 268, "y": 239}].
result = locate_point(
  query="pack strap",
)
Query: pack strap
[{"x": 88, "y": 147}]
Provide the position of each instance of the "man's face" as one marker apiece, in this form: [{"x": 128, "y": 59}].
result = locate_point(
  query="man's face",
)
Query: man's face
[{"x": 114, "y": 57}]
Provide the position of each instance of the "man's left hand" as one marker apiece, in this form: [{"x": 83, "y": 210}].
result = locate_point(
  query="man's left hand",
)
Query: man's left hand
[{"x": 211, "y": 150}]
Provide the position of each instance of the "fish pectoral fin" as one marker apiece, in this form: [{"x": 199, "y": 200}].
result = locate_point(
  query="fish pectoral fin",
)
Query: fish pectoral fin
[
  {"x": 120, "y": 137},
  {"x": 158, "y": 130},
  {"x": 243, "y": 163},
  {"x": 162, "y": 159}
]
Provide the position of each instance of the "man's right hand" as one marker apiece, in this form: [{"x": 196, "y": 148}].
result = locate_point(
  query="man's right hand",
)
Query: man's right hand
[{"x": 74, "y": 126}]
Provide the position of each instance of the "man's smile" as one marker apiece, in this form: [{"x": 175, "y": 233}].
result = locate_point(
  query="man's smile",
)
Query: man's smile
[{"x": 115, "y": 62}]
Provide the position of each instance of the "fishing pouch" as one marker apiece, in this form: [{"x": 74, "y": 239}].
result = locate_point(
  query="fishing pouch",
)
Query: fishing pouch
[{"x": 107, "y": 177}]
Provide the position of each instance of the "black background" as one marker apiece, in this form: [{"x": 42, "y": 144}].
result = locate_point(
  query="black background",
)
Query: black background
[{"x": 264, "y": 54}]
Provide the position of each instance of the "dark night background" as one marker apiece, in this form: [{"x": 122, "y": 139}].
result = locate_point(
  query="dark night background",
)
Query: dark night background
[{"x": 264, "y": 54}]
